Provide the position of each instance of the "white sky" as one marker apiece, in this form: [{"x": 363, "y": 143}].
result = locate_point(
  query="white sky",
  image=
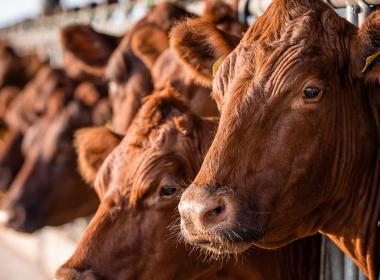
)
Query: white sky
[
  {"x": 12, "y": 11},
  {"x": 15, "y": 10}
]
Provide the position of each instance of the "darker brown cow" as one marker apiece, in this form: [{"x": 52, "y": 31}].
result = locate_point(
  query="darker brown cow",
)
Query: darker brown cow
[
  {"x": 16, "y": 70},
  {"x": 297, "y": 148},
  {"x": 47, "y": 93},
  {"x": 32, "y": 102},
  {"x": 48, "y": 189},
  {"x": 138, "y": 183}
]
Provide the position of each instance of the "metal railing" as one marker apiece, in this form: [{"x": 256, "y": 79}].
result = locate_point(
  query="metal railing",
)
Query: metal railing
[{"x": 355, "y": 11}]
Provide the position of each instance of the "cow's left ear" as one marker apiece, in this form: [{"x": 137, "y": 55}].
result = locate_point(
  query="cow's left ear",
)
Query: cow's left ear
[
  {"x": 366, "y": 48},
  {"x": 86, "y": 52},
  {"x": 93, "y": 145},
  {"x": 148, "y": 42},
  {"x": 201, "y": 47}
]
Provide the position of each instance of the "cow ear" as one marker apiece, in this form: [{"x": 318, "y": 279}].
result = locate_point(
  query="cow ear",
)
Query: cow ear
[
  {"x": 148, "y": 43},
  {"x": 93, "y": 145},
  {"x": 201, "y": 47},
  {"x": 86, "y": 51},
  {"x": 367, "y": 48}
]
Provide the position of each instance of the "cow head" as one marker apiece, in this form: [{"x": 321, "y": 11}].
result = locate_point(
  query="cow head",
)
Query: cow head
[
  {"x": 48, "y": 190},
  {"x": 127, "y": 66},
  {"x": 138, "y": 185},
  {"x": 297, "y": 142},
  {"x": 33, "y": 101},
  {"x": 128, "y": 71}
]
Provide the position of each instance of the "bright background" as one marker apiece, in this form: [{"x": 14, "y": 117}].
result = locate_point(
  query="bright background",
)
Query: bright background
[{"x": 12, "y": 11}]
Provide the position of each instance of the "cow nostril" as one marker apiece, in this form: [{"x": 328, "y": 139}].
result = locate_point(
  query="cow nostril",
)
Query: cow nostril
[
  {"x": 214, "y": 216},
  {"x": 219, "y": 209}
]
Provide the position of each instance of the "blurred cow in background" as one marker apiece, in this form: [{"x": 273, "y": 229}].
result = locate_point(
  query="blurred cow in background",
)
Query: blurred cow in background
[{"x": 48, "y": 190}]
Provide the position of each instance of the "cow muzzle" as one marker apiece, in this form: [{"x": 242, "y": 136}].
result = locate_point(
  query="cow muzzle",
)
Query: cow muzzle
[{"x": 208, "y": 218}]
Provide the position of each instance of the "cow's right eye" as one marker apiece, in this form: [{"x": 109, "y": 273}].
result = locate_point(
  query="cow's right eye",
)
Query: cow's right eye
[
  {"x": 311, "y": 92},
  {"x": 167, "y": 190}
]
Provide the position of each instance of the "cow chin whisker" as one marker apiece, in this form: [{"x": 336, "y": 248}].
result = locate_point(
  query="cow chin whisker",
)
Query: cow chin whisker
[{"x": 221, "y": 251}]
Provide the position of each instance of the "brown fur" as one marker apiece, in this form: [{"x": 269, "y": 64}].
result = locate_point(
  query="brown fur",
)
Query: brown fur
[
  {"x": 48, "y": 190},
  {"x": 129, "y": 236},
  {"x": 128, "y": 69},
  {"x": 181, "y": 39},
  {"x": 308, "y": 164},
  {"x": 86, "y": 51},
  {"x": 46, "y": 94},
  {"x": 93, "y": 145},
  {"x": 32, "y": 102},
  {"x": 16, "y": 70}
]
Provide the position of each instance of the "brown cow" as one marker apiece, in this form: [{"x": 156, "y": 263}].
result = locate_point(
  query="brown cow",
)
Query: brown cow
[
  {"x": 11, "y": 158},
  {"x": 48, "y": 190},
  {"x": 47, "y": 93},
  {"x": 16, "y": 70},
  {"x": 168, "y": 69},
  {"x": 297, "y": 147},
  {"x": 139, "y": 182},
  {"x": 7, "y": 95},
  {"x": 32, "y": 101},
  {"x": 128, "y": 68}
]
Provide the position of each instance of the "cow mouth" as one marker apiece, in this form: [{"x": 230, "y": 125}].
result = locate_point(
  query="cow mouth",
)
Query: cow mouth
[{"x": 220, "y": 247}]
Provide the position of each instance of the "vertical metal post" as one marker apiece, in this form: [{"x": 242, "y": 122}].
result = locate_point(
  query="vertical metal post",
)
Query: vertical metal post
[
  {"x": 352, "y": 11},
  {"x": 365, "y": 10}
]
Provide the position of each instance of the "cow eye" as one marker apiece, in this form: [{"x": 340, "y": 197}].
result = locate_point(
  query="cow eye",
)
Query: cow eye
[
  {"x": 167, "y": 190},
  {"x": 311, "y": 92}
]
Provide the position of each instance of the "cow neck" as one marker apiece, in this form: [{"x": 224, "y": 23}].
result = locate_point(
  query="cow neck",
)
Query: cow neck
[{"x": 357, "y": 231}]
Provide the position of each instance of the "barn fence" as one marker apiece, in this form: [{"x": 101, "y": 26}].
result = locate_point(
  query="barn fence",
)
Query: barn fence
[
  {"x": 42, "y": 33},
  {"x": 50, "y": 247}
]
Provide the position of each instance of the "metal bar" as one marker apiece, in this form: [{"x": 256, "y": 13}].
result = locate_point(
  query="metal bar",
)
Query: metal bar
[
  {"x": 352, "y": 14},
  {"x": 343, "y": 3},
  {"x": 365, "y": 10}
]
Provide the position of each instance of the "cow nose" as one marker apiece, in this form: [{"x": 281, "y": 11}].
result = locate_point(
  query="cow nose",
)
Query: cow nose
[
  {"x": 202, "y": 210},
  {"x": 66, "y": 273}
]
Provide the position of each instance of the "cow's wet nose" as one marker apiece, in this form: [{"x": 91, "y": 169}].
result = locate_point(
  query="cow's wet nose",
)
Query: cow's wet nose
[
  {"x": 202, "y": 210},
  {"x": 66, "y": 273}
]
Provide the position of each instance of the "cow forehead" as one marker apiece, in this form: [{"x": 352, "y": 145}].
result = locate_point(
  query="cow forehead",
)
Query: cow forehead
[
  {"x": 133, "y": 171},
  {"x": 317, "y": 39}
]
